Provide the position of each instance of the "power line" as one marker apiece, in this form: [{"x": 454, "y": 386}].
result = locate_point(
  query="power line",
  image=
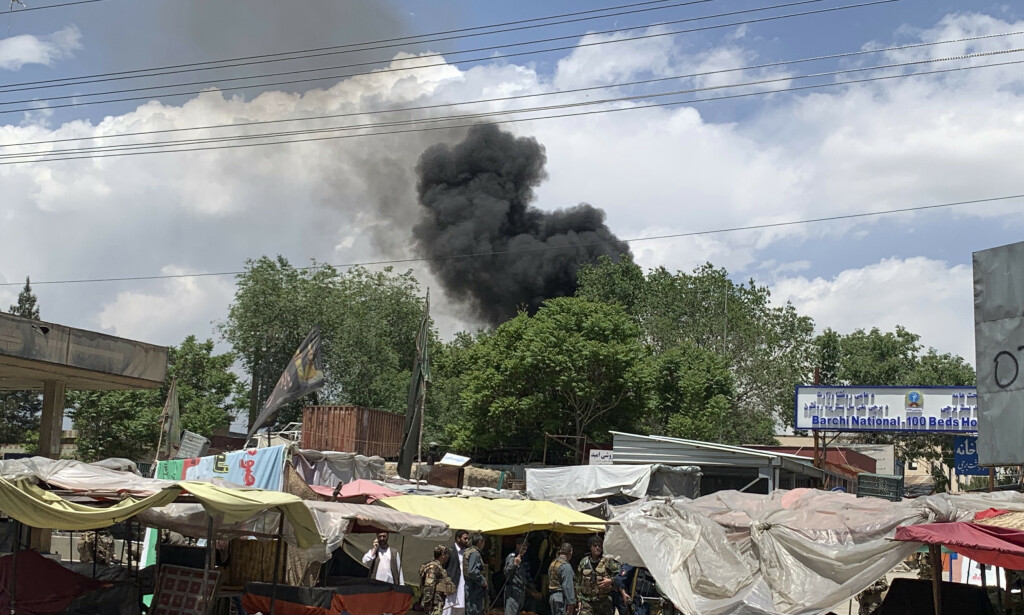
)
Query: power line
[
  {"x": 515, "y": 97},
  {"x": 50, "y": 6},
  {"x": 336, "y": 49},
  {"x": 158, "y": 148},
  {"x": 421, "y": 67},
  {"x": 733, "y": 229}
]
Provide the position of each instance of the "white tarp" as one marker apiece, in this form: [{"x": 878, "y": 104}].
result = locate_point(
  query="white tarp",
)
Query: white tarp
[
  {"x": 328, "y": 468},
  {"x": 79, "y": 476},
  {"x": 588, "y": 481},
  {"x": 795, "y": 552}
]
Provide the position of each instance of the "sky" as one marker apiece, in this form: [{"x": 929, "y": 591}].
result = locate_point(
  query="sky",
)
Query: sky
[{"x": 761, "y": 159}]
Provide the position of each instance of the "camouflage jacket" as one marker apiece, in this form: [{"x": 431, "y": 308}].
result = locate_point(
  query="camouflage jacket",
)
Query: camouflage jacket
[
  {"x": 591, "y": 575},
  {"x": 435, "y": 584}
]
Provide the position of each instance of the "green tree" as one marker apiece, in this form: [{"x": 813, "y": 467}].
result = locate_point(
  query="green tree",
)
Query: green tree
[
  {"x": 368, "y": 326},
  {"x": 127, "y": 423},
  {"x": 768, "y": 347},
  {"x": 576, "y": 368},
  {"x": 208, "y": 391},
  {"x": 693, "y": 395},
  {"x": 19, "y": 410}
]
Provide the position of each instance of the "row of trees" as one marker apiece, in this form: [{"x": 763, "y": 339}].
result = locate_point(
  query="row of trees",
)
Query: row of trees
[{"x": 692, "y": 355}]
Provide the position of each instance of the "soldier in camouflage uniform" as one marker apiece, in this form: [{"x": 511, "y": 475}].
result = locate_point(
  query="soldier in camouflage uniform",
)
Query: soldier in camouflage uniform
[
  {"x": 924, "y": 566},
  {"x": 100, "y": 543},
  {"x": 435, "y": 583},
  {"x": 870, "y": 598},
  {"x": 594, "y": 581}
]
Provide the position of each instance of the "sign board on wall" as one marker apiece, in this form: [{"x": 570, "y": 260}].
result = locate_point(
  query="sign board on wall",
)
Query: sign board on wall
[
  {"x": 887, "y": 409},
  {"x": 965, "y": 456},
  {"x": 600, "y": 457},
  {"x": 999, "y": 346}
]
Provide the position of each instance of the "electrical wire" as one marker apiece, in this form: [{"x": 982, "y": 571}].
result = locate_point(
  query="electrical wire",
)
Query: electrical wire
[
  {"x": 348, "y": 48},
  {"x": 519, "y": 96},
  {"x": 166, "y": 147},
  {"x": 79, "y": 103},
  {"x": 545, "y": 248},
  {"x": 50, "y": 6}
]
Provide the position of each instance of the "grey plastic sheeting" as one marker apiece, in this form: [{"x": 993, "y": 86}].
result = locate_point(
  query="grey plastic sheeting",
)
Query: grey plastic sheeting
[
  {"x": 999, "y": 346},
  {"x": 786, "y": 553}
]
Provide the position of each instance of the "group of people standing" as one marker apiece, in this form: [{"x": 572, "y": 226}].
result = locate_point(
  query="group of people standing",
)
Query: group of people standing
[{"x": 455, "y": 581}]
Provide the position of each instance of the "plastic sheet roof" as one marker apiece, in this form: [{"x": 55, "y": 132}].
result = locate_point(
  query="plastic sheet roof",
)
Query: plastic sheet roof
[{"x": 499, "y": 516}]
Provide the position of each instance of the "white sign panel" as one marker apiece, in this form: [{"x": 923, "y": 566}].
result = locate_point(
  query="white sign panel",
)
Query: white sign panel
[
  {"x": 922, "y": 409},
  {"x": 451, "y": 459},
  {"x": 999, "y": 345},
  {"x": 601, "y": 458}
]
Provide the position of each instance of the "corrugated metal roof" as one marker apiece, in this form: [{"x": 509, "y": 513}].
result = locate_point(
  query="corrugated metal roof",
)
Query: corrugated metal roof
[{"x": 634, "y": 448}]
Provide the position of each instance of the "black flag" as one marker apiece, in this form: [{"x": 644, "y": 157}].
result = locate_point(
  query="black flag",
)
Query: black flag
[
  {"x": 304, "y": 374},
  {"x": 417, "y": 396}
]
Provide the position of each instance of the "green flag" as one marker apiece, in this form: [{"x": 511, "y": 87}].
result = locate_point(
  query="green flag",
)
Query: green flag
[{"x": 417, "y": 396}]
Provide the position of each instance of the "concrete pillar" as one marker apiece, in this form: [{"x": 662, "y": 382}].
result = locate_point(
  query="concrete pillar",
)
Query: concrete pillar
[
  {"x": 50, "y": 425},
  {"x": 52, "y": 420}
]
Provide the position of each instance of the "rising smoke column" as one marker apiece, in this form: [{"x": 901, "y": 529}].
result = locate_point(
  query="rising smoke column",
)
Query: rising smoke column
[{"x": 476, "y": 197}]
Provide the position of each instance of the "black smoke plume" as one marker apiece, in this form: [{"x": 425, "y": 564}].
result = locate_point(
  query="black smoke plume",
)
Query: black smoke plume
[{"x": 476, "y": 197}]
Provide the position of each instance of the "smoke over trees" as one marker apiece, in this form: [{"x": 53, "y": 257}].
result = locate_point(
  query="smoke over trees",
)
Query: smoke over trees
[{"x": 492, "y": 250}]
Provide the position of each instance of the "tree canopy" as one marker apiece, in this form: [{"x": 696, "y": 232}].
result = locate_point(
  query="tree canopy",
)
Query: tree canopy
[{"x": 19, "y": 410}]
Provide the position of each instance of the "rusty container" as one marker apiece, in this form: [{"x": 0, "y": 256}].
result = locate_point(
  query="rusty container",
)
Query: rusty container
[{"x": 352, "y": 429}]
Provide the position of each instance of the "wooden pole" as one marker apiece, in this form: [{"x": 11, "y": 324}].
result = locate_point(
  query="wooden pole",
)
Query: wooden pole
[
  {"x": 991, "y": 480},
  {"x": 935, "y": 555},
  {"x": 206, "y": 565},
  {"x": 13, "y": 589},
  {"x": 277, "y": 562}
]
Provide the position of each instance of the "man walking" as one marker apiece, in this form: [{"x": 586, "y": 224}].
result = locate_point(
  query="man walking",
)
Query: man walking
[
  {"x": 455, "y": 603},
  {"x": 596, "y": 575},
  {"x": 476, "y": 578},
  {"x": 562, "y": 598},
  {"x": 435, "y": 583},
  {"x": 384, "y": 562}
]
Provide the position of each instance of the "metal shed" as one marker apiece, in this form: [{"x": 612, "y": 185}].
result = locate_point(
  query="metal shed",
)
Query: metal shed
[{"x": 724, "y": 466}]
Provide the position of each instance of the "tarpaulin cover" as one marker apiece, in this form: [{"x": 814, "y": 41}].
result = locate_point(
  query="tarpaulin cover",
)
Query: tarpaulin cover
[
  {"x": 789, "y": 552},
  {"x": 365, "y": 491},
  {"x": 985, "y": 544},
  {"x": 334, "y": 520},
  {"x": 33, "y": 597},
  {"x": 37, "y": 508},
  {"x": 328, "y": 468},
  {"x": 79, "y": 476},
  {"x": 496, "y": 516},
  {"x": 588, "y": 481}
]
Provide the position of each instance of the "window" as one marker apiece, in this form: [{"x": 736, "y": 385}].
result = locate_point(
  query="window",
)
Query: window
[{"x": 912, "y": 465}]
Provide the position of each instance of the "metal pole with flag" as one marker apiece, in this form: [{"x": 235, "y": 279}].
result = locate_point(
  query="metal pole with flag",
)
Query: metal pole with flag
[
  {"x": 413, "y": 431},
  {"x": 170, "y": 426},
  {"x": 303, "y": 375}
]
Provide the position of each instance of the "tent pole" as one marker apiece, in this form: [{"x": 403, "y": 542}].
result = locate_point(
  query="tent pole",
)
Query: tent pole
[
  {"x": 14, "y": 565},
  {"x": 935, "y": 555},
  {"x": 206, "y": 564},
  {"x": 277, "y": 562}
]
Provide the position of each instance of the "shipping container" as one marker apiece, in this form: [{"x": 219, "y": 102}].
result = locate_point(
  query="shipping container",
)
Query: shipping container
[{"x": 352, "y": 429}]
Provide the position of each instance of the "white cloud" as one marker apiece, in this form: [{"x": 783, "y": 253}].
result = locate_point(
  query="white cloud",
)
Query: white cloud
[
  {"x": 159, "y": 314},
  {"x": 17, "y": 51},
  {"x": 655, "y": 171},
  {"x": 926, "y": 296}
]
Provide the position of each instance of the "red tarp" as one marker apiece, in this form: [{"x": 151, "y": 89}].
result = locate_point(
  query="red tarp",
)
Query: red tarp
[
  {"x": 358, "y": 492},
  {"x": 986, "y": 544},
  {"x": 43, "y": 586}
]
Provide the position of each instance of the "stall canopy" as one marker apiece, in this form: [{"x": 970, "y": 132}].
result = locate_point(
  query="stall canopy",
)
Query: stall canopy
[
  {"x": 360, "y": 491},
  {"x": 985, "y": 544},
  {"x": 496, "y": 516},
  {"x": 35, "y": 507}
]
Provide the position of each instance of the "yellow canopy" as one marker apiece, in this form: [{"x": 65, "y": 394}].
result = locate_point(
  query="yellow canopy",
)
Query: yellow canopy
[
  {"x": 497, "y": 516},
  {"x": 38, "y": 508}
]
